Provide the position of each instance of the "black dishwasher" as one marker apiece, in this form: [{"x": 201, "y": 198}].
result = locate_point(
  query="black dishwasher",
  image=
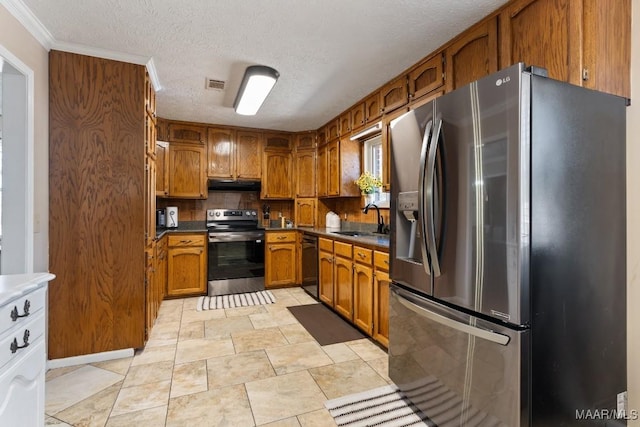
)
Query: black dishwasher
[{"x": 310, "y": 264}]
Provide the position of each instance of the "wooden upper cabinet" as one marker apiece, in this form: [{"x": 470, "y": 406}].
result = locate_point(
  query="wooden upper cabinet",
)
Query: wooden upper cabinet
[
  {"x": 182, "y": 132},
  {"x": 248, "y": 154},
  {"x": 322, "y": 136},
  {"x": 372, "y": 108},
  {"x": 305, "y": 176},
  {"x": 162, "y": 129},
  {"x": 426, "y": 77},
  {"x": 149, "y": 96},
  {"x": 322, "y": 169},
  {"x": 187, "y": 171},
  {"x": 162, "y": 169},
  {"x": 277, "y": 141},
  {"x": 276, "y": 179},
  {"x": 357, "y": 116},
  {"x": 150, "y": 135},
  {"x": 220, "y": 153},
  {"x": 345, "y": 123},
  {"x": 305, "y": 212},
  {"x": 341, "y": 162},
  {"x": 306, "y": 140},
  {"x": 394, "y": 94},
  {"x": 474, "y": 54},
  {"x": 333, "y": 129}
]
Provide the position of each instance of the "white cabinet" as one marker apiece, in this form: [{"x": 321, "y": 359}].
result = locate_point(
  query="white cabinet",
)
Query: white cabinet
[{"x": 22, "y": 348}]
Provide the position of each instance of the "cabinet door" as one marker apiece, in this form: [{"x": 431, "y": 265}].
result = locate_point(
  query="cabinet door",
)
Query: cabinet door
[
  {"x": 345, "y": 123},
  {"x": 277, "y": 141},
  {"x": 249, "y": 155},
  {"x": 526, "y": 37},
  {"x": 358, "y": 116},
  {"x": 305, "y": 212},
  {"x": 305, "y": 140},
  {"x": 187, "y": 171},
  {"x": 381, "y": 307},
  {"x": 325, "y": 277},
  {"x": 187, "y": 271},
  {"x": 162, "y": 169},
  {"x": 150, "y": 201},
  {"x": 473, "y": 55},
  {"x": 333, "y": 129},
  {"x": 426, "y": 77},
  {"x": 394, "y": 94},
  {"x": 372, "y": 108},
  {"x": 306, "y": 173},
  {"x": 280, "y": 262},
  {"x": 150, "y": 135},
  {"x": 276, "y": 183},
  {"x": 363, "y": 297},
  {"x": 343, "y": 286},
  {"x": 333, "y": 168},
  {"x": 150, "y": 289},
  {"x": 322, "y": 168},
  {"x": 220, "y": 155},
  {"x": 182, "y": 132}
]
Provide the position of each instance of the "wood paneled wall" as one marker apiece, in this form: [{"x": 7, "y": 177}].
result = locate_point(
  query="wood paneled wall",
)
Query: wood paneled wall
[{"x": 96, "y": 206}]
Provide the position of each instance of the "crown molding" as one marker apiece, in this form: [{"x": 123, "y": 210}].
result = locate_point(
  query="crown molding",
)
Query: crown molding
[
  {"x": 24, "y": 15},
  {"x": 28, "y": 20}
]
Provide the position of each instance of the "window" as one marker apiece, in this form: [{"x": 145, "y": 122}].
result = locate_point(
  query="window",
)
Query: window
[{"x": 372, "y": 153}]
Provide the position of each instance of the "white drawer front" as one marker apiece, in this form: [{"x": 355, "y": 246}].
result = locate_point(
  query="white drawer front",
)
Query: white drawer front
[
  {"x": 13, "y": 314},
  {"x": 12, "y": 345}
]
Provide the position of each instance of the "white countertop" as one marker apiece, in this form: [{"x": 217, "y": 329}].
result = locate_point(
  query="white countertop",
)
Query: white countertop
[{"x": 14, "y": 286}]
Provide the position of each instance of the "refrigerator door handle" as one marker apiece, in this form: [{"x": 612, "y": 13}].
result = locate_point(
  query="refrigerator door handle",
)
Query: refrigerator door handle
[
  {"x": 431, "y": 222},
  {"x": 421, "y": 196},
  {"x": 445, "y": 321}
]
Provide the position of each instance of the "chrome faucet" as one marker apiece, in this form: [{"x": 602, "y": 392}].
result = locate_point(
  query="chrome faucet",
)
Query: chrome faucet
[{"x": 380, "y": 219}]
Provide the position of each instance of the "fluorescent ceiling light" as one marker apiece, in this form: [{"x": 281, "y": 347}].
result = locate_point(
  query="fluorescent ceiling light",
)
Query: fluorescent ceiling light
[
  {"x": 256, "y": 85},
  {"x": 367, "y": 131}
]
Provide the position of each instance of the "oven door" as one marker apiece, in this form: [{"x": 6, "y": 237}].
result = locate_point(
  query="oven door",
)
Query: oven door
[{"x": 236, "y": 255}]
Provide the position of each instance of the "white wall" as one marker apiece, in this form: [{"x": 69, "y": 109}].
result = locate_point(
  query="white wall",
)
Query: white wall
[
  {"x": 633, "y": 220},
  {"x": 17, "y": 40}
]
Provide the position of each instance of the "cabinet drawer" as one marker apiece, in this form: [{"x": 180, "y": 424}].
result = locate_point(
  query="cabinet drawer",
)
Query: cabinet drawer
[
  {"x": 325, "y": 244},
  {"x": 186, "y": 240},
  {"x": 342, "y": 249},
  {"x": 32, "y": 330},
  {"x": 35, "y": 301},
  {"x": 280, "y": 237},
  {"x": 362, "y": 255},
  {"x": 381, "y": 260}
]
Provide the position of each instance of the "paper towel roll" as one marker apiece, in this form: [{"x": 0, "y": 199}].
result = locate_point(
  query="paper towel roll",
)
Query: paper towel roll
[{"x": 172, "y": 217}]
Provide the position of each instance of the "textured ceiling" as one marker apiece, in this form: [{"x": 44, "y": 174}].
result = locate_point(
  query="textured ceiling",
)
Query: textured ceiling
[{"x": 330, "y": 53}]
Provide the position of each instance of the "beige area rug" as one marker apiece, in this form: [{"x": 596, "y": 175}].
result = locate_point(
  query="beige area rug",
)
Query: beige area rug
[
  {"x": 235, "y": 300},
  {"x": 384, "y": 406}
]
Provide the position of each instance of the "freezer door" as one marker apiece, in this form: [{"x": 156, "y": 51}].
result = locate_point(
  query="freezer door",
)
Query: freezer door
[
  {"x": 479, "y": 166},
  {"x": 410, "y": 136},
  {"x": 458, "y": 370}
]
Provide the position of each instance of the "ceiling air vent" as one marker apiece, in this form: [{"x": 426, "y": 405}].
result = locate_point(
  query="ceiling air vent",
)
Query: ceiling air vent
[{"x": 214, "y": 84}]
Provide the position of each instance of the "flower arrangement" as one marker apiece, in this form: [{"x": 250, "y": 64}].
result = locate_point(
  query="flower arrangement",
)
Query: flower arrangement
[{"x": 368, "y": 183}]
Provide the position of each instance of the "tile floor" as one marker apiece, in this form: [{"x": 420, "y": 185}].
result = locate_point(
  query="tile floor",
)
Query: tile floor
[{"x": 251, "y": 366}]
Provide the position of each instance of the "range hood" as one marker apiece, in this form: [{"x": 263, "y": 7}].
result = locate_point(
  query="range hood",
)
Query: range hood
[{"x": 231, "y": 185}]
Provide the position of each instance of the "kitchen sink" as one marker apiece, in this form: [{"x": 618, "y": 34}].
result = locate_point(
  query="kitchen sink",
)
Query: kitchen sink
[{"x": 353, "y": 233}]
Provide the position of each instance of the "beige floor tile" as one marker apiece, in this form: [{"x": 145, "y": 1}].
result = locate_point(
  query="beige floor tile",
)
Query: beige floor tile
[
  {"x": 272, "y": 318},
  {"x": 153, "y": 417},
  {"x": 149, "y": 373},
  {"x": 189, "y": 316},
  {"x": 54, "y": 373},
  {"x": 75, "y": 386},
  {"x": 258, "y": 339},
  {"x": 319, "y": 418},
  {"x": 238, "y": 369},
  {"x": 54, "y": 422},
  {"x": 245, "y": 311},
  {"x": 119, "y": 366},
  {"x": 154, "y": 355},
  {"x": 346, "y": 378},
  {"x": 140, "y": 397},
  {"x": 223, "y": 328},
  {"x": 340, "y": 352},
  {"x": 289, "y": 422},
  {"x": 366, "y": 349},
  {"x": 189, "y": 378},
  {"x": 297, "y": 357},
  {"x": 190, "y": 304},
  {"x": 191, "y": 331},
  {"x": 165, "y": 331},
  {"x": 381, "y": 366},
  {"x": 168, "y": 317},
  {"x": 296, "y": 333},
  {"x": 284, "y": 396},
  {"x": 304, "y": 298},
  {"x": 92, "y": 411},
  {"x": 227, "y": 406},
  {"x": 168, "y": 304},
  {"x": 192, "y": 350}
]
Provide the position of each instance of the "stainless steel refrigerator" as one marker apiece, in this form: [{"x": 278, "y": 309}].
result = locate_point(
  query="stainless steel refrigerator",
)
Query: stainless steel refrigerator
[{"x": 508, "y": 302}]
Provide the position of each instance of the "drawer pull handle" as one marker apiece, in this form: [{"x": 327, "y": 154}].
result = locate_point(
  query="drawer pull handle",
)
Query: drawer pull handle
[
  {"x": 282, "y": 237},
  {"x": 185, "y": 241},
  {"x": 14, "y": 312},
  {"x": 386, "y": 261},
  {"x": 14, "y": 344}
]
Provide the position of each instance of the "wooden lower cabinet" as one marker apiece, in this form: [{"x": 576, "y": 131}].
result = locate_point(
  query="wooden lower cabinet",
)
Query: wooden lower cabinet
[
  {"x": 280, "y": 259},
  {"x": 325, "y": 271},
  {"x": 381, "y": 282},
  {"x": 343, "y": 286},
  {"x": 187, "y": 265},
  {"x": 363, "y": 289}
]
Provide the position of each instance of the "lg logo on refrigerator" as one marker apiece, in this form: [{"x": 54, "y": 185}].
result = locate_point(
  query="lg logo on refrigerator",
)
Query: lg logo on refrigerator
[{"x": 499, "y": 82}]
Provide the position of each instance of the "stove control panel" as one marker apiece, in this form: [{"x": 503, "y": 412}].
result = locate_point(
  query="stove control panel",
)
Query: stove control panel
[{"x": 235, "y": 215}]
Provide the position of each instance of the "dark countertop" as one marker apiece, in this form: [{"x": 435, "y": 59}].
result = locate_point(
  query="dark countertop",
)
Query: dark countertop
[
  {"x": 183, "y": 227},
  {"x": 373, "y": 241}
]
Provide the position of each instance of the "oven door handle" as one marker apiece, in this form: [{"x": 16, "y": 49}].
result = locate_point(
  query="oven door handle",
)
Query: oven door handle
[{"x": 236, "y": 237}]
